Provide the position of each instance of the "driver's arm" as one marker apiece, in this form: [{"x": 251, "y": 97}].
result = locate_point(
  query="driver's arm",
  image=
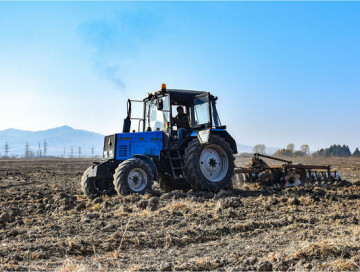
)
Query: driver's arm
[{"x": 174, "y": 120}]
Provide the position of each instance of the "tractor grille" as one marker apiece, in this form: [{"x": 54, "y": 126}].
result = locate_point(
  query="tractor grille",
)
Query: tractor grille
[{"x": 123, "y": 151}]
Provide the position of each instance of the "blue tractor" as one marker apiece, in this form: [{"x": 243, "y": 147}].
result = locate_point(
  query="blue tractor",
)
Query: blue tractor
[{"x": 203, "y": 159}]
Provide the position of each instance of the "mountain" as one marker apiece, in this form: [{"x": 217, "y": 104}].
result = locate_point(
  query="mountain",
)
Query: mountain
[
  {"x": 66, "y": 137},
  {"x": 56, "y": 138}
]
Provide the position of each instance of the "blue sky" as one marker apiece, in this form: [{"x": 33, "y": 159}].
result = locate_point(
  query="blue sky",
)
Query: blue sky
[{"x": 284, "y": 71}]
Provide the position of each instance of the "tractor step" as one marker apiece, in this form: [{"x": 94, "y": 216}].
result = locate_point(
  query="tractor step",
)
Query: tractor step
[
  {"x": 175, "y": 159},
  {"x": 176, "y": 164}
]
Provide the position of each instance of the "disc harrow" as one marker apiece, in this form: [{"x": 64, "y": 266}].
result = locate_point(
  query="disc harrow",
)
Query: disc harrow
[{"x": 287, "y": 174}]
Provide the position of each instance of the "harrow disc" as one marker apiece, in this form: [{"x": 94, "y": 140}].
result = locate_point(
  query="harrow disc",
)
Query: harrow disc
[{"x": 287, "y": 174}]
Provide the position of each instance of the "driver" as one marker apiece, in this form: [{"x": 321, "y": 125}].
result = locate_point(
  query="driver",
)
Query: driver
[{"x": 181, "y": 120}]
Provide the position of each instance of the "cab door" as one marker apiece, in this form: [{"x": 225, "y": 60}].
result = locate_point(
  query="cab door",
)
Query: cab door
[{"x": 201, "y": 117}]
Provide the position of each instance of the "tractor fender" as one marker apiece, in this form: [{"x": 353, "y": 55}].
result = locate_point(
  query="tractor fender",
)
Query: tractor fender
[
  {"x": 224, "y": 134},
  {"x": 150, "y": 162},
  {"x": 101, "y": 170}
]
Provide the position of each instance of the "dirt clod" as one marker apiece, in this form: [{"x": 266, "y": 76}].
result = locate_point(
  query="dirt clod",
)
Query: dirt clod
[
  {"x": 97, "y": 200},
  {"x": 265, "y": 266},
  {"x": 294, "y": 201},
  {"x": 224, "y": 193},
  {"x": 80, "y": 206},
  {"x": 4, "y": 217},
  {"x": 231, "y": 202},
  {"x": 166, "y": 266}
]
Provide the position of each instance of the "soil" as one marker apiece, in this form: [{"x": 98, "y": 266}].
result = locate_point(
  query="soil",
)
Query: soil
[{"x": 46, "y": 223}]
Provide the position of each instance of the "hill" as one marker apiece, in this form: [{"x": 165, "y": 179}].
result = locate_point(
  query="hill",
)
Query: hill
[
  {"x": 56, "y": 138},
  {"x": 64, "y": 137}
]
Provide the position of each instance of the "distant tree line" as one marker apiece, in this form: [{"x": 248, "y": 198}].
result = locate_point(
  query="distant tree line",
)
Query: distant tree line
[
  {"x": 290, "y": 151},
  {"x": 336, "y": 151}
]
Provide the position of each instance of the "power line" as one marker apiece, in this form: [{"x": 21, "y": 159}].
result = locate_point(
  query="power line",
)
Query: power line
[
  {"x": 27, "y": 150},
  {"x": 39, "y": 150},
  {"x": 45, "y": 148},
  {"x": 6, "y": 149}
]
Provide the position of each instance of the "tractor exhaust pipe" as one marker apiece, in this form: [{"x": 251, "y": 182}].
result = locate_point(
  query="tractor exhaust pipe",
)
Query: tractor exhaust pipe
[{"x": 127, "y": 120}]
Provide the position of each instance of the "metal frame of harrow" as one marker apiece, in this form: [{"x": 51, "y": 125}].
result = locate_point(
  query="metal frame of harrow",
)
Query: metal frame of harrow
[{"x": 312, "y": 172}]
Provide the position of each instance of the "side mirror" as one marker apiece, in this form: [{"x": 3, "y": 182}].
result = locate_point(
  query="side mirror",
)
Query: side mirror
[{"x": 160, "y": 104}]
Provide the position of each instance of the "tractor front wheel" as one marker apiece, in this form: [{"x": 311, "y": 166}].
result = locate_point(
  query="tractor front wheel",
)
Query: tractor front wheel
[
  {"x": 92, "y": 186},
  {"x": 133, "y": 176},
  {"x": 210, "y": 166}
]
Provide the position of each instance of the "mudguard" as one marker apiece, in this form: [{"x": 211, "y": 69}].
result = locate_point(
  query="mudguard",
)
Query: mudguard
[
  {"x": 150, "y": 162},
  {"x": 102, "y": 170},
  {"x": 221, "y": 132}
]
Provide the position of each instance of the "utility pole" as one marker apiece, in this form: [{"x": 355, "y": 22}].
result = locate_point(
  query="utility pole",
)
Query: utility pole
[
  {"x": 45, "y": 148},
  {"x": 39, "y": 150},
  {"x": 79, "y": 151},
  {"x": 72, "y": 152},
  {"x": 64, "y": 153},
  {"x": 27, "y": 150},
  {"x": 6, "y": 149},
  {"x": 92, "y": 151}
]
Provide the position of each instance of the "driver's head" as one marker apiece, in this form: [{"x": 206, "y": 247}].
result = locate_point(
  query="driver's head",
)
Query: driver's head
[{"x": 180, "y": 109}]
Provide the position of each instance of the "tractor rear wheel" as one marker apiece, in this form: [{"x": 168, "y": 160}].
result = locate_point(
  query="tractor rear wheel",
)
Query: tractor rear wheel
[
  {"x": 133, "y": 176},
  {"x": 168, "y": 184},
  {"x": 210, "y": 166},
  {"x": 92, "y": 186}
]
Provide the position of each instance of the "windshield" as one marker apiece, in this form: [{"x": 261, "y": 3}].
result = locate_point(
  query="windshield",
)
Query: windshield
[
  {"x": 201, "y": 110},
  {"x": 156, "y": 119}
]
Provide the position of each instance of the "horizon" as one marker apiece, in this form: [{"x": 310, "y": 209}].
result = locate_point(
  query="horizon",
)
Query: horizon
[
  {"x": 284, "y": 72},
  {"x": 269, "y": 149}
]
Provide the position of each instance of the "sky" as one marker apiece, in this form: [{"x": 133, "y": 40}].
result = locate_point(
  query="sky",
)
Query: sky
[{"x": 283, "y": 71}]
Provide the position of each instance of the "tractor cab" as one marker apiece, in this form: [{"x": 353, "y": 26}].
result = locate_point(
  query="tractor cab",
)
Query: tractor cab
[{"x": 160, "y": 111}]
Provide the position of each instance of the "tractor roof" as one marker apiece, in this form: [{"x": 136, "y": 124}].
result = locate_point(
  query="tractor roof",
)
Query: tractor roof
[
  {"x": 184, "y": 92},
  {"x": 181, "y": 94}
]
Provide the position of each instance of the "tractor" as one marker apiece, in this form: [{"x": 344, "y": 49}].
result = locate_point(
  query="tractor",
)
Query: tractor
[{"x": 149, "y": 148}]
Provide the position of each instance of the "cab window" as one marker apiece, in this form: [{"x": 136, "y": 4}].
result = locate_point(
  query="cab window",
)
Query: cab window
[
  {"x": 156, "y": 119},
  {"x": 201, "y": 111}
]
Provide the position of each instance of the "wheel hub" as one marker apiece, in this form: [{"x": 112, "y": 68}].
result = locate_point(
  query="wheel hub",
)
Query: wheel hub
[
  {"x": 214, "y": 163},
  {"x": 137, "y": 179}
]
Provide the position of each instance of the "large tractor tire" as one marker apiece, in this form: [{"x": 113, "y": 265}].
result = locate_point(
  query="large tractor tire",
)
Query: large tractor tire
[
  {"x": 210, "y": 166},
  {"x": 133, "y": 176},
  {"x": 96, "y": 187},
  {"x": 168, "y": 184}
]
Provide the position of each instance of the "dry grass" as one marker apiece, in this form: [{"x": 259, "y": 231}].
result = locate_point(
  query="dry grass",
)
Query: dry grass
[
  {"x": 335, "y": 254},
  {"x": 342, "y": 265},
  {"x": 96, "y": 207},
  {"x": 70, "y": 266},
  {"x": 322, "y": 249},
  {"x": 179, "y": 206}
]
